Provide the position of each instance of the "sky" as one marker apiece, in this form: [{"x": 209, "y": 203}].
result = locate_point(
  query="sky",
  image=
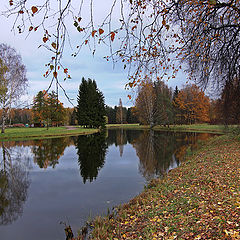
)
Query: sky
[{"x": 110, "y": 79}]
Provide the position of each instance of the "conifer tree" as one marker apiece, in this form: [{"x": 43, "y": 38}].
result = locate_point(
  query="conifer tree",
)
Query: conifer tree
[{"x": 91, "y": 107}]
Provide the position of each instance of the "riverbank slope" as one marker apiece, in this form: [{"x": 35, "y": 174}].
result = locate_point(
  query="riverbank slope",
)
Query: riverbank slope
[{"x": 198, "y": 200}]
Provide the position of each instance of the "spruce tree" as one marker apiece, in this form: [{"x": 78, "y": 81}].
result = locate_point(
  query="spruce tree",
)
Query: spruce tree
[{"x": 91, "y": 106}]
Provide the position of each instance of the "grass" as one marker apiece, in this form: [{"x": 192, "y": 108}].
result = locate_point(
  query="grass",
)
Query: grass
[
  {"x": 128, "y": 126},
  {"x": 197, "y": 127},
  {"x": 198, "y": 200},
  {"x": 39, "y": 133},
  {"x": 220, "y": 129}
]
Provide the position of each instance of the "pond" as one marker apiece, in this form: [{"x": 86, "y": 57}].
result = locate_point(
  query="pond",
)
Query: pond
[{"x": 45, "y": 183}]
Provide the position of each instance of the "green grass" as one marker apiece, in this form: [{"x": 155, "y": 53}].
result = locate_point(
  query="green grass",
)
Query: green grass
[
  {"x": 197, "y": 128},
  {"x": 38, "y": 133},
  {"x": 198, "y": 200},
  {"x": 129, "y": 126},
  {"x": 220, "y": 129}
]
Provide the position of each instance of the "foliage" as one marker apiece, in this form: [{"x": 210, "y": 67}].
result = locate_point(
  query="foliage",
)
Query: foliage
[
  {"x": 13, "y": 80},
  {"x": 193, "y": 105},
  {"x": 164, "y": 106},
  {"x": 91, "y": 106},
  {"x": 154, "y": 104},
  {"x": 47, "y": 109},
  {"x": 145, "y": 103}
]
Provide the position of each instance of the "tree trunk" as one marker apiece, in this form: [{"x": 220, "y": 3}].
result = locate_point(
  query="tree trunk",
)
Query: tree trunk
[{"x": 3, "y": 120}]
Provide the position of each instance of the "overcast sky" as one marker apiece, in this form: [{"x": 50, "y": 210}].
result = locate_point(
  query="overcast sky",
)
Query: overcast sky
[{"x": 110, "y": 80}]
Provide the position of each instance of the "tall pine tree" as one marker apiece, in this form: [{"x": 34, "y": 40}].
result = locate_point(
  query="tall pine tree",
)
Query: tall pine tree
[{"x": 91, "y": 107}]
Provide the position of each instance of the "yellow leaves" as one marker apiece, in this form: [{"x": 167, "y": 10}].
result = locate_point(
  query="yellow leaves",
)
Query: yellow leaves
[
  {"x": 34, "y": 9},
  {"x": 232, "y": 233}
]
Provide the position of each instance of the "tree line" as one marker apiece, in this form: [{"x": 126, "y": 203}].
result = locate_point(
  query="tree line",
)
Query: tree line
[{"x": 157, "y": 104}]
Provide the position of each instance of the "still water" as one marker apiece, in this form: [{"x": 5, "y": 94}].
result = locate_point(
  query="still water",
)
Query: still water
[{"x": 72, "y": 179}]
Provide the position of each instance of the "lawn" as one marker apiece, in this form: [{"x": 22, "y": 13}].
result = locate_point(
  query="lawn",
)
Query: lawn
[
  {"x": 192, "y": 128},
  {"x": 36, "y": 133},
  {"x": 198, "y": 200}
]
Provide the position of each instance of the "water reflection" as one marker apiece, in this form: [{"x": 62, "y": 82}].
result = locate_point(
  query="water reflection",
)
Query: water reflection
[
  {"x": 46, "y": 152},
  {"x": 13, "y": 185},
  {"x": 91, "y": 150},
  {"x": 158, "y": 152}
]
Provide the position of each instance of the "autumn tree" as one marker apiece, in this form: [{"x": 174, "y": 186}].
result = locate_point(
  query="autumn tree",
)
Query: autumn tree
[
  {"x": 47, "y": 109},
  {"x": 39, "y": 103},
  {"x": 193, "y": 105},
  {"x": 164, "y": 107},
  {"x": 146, "y": 103},
  {"x": 54, "y": 110},
  {"x": 13, "y": 80}
]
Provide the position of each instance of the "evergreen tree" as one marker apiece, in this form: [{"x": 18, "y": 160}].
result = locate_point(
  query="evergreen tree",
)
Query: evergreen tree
[
  {"x": 111, "y": 114},
  {"x": 119, "y": 114},
  {"x": 131, "y": 117},
  {"x": 91, "y": 107}
]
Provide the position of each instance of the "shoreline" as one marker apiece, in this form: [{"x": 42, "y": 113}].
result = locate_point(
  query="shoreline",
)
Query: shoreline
[
  {"x": 198, "y": 200},
  {"x": 14, "y": 134}
]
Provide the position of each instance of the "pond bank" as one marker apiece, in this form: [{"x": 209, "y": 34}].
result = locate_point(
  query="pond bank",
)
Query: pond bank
[
  {"x": 198, "y": 200},
  {"x": 203, "y": 128},
  {"x": 40, "y": 133}
]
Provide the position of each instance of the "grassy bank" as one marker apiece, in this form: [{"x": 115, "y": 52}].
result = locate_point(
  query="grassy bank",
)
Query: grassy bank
[
  {"x": 39, "y": 133},
  {"x": 220, "y": 129},
  {"x": 198, "y": 200},
  {"x": 128, "y": 126}
]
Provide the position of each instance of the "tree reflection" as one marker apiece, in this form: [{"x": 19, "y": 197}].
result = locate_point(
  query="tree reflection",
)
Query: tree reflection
[
  {"x": 91, "y": 150},
  {"x": 159, "y": 152},
  {"x": 48, "y": 151},
  {"x": 13, "y": 186}
]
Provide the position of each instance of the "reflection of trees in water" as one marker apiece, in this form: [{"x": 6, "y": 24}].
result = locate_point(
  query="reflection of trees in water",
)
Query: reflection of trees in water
[
  {"x": 48, "y": 151},
  {"x": 159, "y": 152},
  {"x": 13, "y": 186},
  {"x": 121, "y": 137},
  {"x": 155, "y": 152},
  {"x": 91, "y": 150}
]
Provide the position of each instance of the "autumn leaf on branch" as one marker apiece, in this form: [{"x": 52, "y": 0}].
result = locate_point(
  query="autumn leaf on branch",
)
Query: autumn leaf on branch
[
  {"x": 112, "y": 36},
  {"x": 34, "y": 9}
]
